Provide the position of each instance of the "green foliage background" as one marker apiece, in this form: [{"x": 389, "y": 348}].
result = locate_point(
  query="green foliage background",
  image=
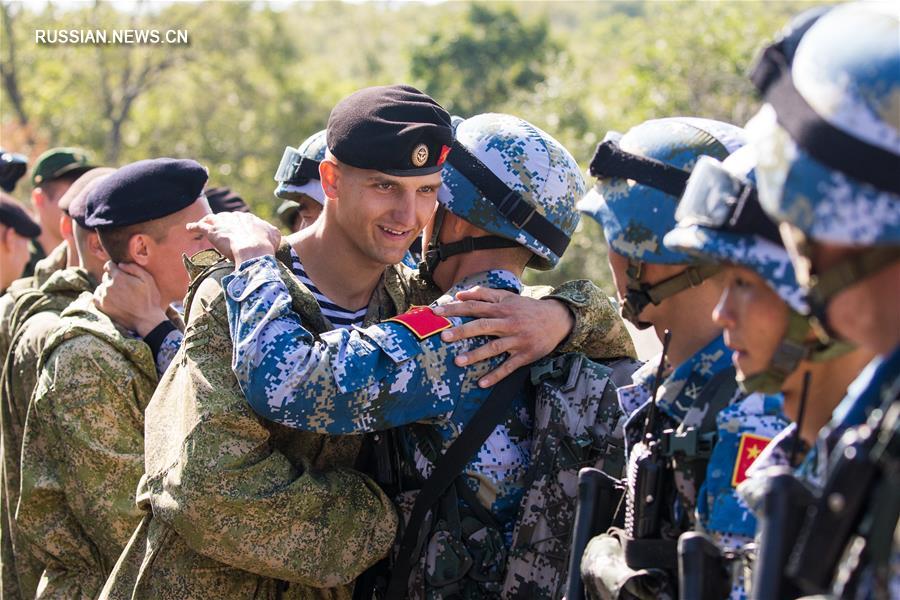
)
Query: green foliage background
[{"x": 257, "y": 77}]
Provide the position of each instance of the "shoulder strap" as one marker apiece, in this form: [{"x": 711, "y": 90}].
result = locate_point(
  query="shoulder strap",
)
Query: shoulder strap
[
  {"x": 696, "y": 442},
  {"x": 716, "y": 394},
  {"x": 446, "y": 469},
  {"x": 621, "y": 370}
]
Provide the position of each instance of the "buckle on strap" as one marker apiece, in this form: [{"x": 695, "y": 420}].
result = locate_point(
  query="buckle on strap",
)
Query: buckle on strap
[
  {"x": 514, "y": 208},
  {"x": 694, "y": 277},
  {"x": 548, "y": 369},
  {"x": 689, "y": 443}
]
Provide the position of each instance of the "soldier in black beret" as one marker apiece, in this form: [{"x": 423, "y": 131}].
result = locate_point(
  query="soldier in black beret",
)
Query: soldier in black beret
[
  {"x": 140, "y": 213},
  {"x": 83, "y": 452},
  {"x": 17, "y": 228}
]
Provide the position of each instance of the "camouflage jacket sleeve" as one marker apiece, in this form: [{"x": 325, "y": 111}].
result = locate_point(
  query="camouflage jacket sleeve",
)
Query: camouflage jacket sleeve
[
  {"x": 362, "y": 380},
  {"x": 82, "y": 456},
  {"x": 249, "y": 493},
  {"x": 599, "y": 331}
]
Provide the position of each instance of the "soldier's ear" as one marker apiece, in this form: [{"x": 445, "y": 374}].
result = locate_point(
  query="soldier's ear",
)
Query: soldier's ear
[
  {"x": 96, "y": 247},
  {"x": 39, "y": 197},
  {"x": 65, "y": 225},
  {"x": 330, "y": 175},
  {"x": 139, "y": 249}
]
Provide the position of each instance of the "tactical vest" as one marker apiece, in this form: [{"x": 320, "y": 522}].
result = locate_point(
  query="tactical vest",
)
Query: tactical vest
[{"x": 577, "y": 423}]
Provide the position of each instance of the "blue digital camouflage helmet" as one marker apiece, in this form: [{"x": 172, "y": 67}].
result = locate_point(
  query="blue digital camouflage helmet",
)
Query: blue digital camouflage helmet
[
  {"x": 513, "y": 180},
  {"x": 828, "y": 141},
  {"x": 640, "y": 177}
]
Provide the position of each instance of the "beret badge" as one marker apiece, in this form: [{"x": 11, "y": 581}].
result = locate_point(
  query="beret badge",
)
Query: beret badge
[{"x": 420, "y": 155}]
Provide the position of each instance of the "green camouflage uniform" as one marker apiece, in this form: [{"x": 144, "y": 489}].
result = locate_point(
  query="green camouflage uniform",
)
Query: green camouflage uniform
[
  {"x": 234, "y": 505},
  {"x": 82, "y": 453},
  {"x": 42, "y": 271},
  {"x": 237, "y": 507},
  {"x": 33, "y": 318}
]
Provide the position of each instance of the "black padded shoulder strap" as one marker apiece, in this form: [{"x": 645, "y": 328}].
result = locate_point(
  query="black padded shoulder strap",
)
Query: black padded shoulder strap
[
  {"x": 446, "y": 469},
  {"x": 716, "y": 395}
]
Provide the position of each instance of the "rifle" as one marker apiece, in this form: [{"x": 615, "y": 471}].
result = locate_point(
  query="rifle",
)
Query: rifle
[
  {"x": 785, "y": 502},
  {"x": 701, "y": 569},
  {"x": 859, "y": 499},
  {"x": 598, "y": 497}
]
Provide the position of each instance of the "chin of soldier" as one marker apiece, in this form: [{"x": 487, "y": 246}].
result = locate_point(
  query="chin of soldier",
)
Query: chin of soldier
[{"x": 743, "y": 362}]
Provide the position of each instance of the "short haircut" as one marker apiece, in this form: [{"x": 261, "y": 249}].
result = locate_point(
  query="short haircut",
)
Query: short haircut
[
  {"x": 115, "y": 239},
  {"x": 53, "y": 186}
]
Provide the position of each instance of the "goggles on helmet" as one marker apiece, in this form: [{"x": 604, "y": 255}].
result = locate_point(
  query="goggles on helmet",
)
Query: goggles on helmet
[
  {"x": 611, "y": 161},
  {"x": 295, "y": 168},
  {"x": 717, "y": 199}
]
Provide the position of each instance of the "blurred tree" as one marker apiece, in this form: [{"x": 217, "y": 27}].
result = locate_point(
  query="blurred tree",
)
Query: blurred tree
[
  {"x": 485, "y": 60},
  {"x": 256, "y": 77}
]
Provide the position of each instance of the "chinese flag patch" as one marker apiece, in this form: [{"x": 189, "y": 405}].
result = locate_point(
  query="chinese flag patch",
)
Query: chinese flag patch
[
  {"x": 749, "y": 449},
  {"x": 422, "y": 321},
  {"x": 445, "y": 150}
]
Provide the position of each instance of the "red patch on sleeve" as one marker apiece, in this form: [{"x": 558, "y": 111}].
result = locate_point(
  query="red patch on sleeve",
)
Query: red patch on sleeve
[
  {"x": 749, "y": 449},
  {"x": 422, "y": 321},
  {"x": 445, "y": 150}
]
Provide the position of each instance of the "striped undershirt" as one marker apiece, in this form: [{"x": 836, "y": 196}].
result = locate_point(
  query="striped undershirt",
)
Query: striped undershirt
[{"x": 339, "y": 316}]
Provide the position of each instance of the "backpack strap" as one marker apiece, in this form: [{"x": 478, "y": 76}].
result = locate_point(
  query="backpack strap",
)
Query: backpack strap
[
  {"x": 698, "y": 442},
  {"x": 446, "y": 469}
]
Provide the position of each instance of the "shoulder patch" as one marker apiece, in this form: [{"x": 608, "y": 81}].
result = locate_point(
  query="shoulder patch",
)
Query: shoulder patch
[
  {"x": 422, "y": 321},
  {"x": 749, "y": 449}
]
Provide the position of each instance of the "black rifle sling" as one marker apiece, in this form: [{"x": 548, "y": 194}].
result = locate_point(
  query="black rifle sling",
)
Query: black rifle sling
[{"x": 446, "y": 469}]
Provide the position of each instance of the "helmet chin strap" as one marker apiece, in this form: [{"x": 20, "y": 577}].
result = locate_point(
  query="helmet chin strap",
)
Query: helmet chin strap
[
  {"x": 824, "y": 287},
  {"x": 437, "y": 252},
  {"x": 792, "y": 349},
  {"x": 640, "y": 294}
]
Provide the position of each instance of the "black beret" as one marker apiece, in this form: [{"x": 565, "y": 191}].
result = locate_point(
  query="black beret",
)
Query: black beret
[
  {"x": 76, "y": 205},
  {"x": 222, "y": 199},
  {"x": 12, "y": 167},
  {"x": 79, "y": 185},
  {"x": 143, "y": 191},
  {"x": 394, "y": 129},
  {"x": 13, "y": 215}
]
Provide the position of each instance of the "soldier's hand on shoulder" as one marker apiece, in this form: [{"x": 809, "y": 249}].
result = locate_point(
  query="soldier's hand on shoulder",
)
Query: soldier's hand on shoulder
[
  {"x": 239, "y": 236},
  {"x": 129, "y": 296},
  {"x": 525, "y": 328}
]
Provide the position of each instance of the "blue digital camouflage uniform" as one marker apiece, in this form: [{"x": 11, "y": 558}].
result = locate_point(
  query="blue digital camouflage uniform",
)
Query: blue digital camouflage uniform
[
  {"x": 715, "y": 507},
  {"x": 384, "y": 376},
  {"x": 372, "y": 379},
  {"x": 812, "y": 467}
]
